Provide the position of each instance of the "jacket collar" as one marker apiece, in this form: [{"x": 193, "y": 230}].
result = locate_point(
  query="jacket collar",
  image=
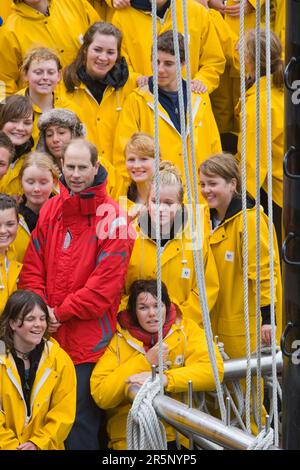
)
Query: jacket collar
[
  {"x": 234, "y": 208},
  {"x": 85, "y": 202}
]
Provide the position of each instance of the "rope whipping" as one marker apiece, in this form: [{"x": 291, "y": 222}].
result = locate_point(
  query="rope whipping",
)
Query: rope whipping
[{"x": 198, "y": 262}]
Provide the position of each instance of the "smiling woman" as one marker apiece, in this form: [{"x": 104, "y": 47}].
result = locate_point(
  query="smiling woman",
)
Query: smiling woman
[
  {"x": 97, "y": 82},
  {"x": 39, "y": 412}
]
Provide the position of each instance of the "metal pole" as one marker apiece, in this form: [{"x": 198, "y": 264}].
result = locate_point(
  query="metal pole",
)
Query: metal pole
[
  {"x": 236, "y": 368},
  {"x": 187, "y": 421},
  {"x": 291, "y": 232}
]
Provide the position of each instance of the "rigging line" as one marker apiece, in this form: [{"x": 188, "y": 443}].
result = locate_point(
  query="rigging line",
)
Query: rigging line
[
  {"x": 257, "y": 200},
  {"x": 197, "y": 250},
  {"x": 270, "y": 213},
  {"x": 157, "y": 191},
  {"x": 244, "y": 211}
]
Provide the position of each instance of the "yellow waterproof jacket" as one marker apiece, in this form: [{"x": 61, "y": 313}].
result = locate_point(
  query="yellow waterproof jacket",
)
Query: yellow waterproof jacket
[
  {"x": 53, "y": 401},
  {"x": 100, "y": 120},
  {"x": 206, "y": 56},
  {"x": 104, "y": 8},
  {"x": 277, "y": 116},
  {"x": 22, "y": 239},
  {"x": 279, "y": 7},
  {"x": 234, "y": 22},
  {"x": 227, "y": 316},
  {"x": 177, "y": 265},
  {"x": 59, "y": 101},
  {"x": 10, "y": 183},
  {"x": 62, "y": 30},
  {"x": 125, "y": 356},
  {"x": 10, "y": 268},
  {"x": 5, "y": 8},
  {"x": 138, "y": 115}
]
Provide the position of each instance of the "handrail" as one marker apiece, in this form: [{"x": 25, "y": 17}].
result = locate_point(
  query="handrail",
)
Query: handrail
[{"x": 191, "y": 421}]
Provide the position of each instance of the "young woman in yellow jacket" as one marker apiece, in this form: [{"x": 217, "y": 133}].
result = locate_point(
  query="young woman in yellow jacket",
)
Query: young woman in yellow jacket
[
  {"x": 134, "y": 348},
  {"x": 221, "y": 186},
  {"x": 138, "y": 113},
  {"x": 139, "y": 161},
  {"x": 55, "y": 24},
  {"x": 277, "y": 116},
  {"x": 41, "y": 70},
  {"x": 176, "y": 248},
  {"x": 37, "y": 379},
  {"x": 97, "y": 82},
  {"x": 16, "y": 121}
]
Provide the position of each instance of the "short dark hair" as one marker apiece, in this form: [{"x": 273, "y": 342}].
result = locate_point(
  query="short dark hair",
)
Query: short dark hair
[
  {"x": 19, "y": 304},
  {"x": 89, "y": 145},
  {"x": 165, "y": 43},
  {"x": 146, "y": 285},
  {"x": 7, "y": 144},
  {"x": 8, "y": 202},
  {"x": 15, "y": 107}
]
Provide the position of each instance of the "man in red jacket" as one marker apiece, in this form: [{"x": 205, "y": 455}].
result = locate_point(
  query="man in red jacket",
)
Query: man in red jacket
[{"x": 77, "y": 261}]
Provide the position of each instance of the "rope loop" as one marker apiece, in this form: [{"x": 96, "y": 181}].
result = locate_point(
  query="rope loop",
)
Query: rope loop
[
  {"x": 144, "y": 430},
  {"x": 263, "y": 440}
]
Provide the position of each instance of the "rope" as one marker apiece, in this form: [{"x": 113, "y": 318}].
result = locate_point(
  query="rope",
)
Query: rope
[
  {"x": 198, "y": 262},
  {"x": 144, "y": 430},
  {"x": 263, "y": 440},
  {"x": 244, "y": 209},
  {"x": 270, "y": 212},
  {"x": 157, "y": 191},
  {"x": 257, "y": 213}
]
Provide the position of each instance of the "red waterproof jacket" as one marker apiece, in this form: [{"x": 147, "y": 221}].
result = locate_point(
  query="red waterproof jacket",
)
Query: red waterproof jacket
[{"x": 77, "y": 261}]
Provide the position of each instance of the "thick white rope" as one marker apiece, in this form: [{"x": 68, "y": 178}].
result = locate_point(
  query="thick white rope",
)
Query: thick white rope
[
  {"x": 144, "y": 430},
  {"x": 257, "y": 197},
  {"x": 157, "y": 192},
  {"x": 197, "y": 257},
  {"x": 244, "y": 210},
  {"x": 263, "y": 441},
  {"x": 270, "y": 213}
]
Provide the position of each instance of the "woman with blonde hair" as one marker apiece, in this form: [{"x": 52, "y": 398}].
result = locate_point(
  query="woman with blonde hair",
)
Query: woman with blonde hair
[
  {"x": 139, "y": 161},
  {"x": 176, "y": 247}
]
